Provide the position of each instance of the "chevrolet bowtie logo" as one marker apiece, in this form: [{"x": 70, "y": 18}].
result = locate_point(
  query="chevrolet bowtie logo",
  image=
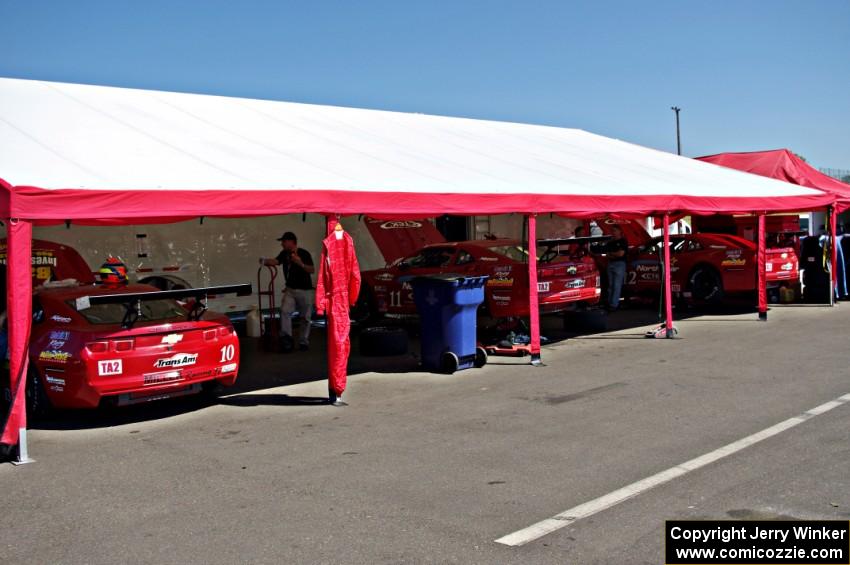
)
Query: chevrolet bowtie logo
[{"x": 171, "y": 339}]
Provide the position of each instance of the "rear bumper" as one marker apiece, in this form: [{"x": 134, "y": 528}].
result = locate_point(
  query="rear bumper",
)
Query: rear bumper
[{"x": 131, "y": 389}]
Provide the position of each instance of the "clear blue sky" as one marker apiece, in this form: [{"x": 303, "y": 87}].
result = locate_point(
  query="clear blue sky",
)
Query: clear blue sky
[{"x": 748, "y": 75}]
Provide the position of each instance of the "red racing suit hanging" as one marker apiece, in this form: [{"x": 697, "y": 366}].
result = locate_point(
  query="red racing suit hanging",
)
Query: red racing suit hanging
[{"x": 337, "y": 289}]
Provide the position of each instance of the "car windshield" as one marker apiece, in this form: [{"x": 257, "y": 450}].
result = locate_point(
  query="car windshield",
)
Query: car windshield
[
  {"x": 431, "y": 257},
  {"x": 151, "y": 311},
  {"x": 513, "y": 252}
]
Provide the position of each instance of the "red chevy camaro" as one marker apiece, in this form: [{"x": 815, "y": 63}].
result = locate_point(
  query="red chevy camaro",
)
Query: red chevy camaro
[
  {"x": 122, "y": 344},
  {"x": 565, "y": 280},
  {"x": 706, "y": 267}
]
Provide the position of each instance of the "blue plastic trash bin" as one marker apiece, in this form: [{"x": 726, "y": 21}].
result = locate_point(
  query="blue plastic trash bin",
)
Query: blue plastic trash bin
[{"x": 447, "y": 306}]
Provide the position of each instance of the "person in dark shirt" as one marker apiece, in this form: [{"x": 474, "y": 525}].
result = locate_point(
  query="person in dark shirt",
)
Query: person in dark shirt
[
  {"x": 297, "y": 267},
  {"x": 616, "y": 251}
]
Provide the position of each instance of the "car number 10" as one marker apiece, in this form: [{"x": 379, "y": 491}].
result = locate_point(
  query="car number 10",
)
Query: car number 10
[{"x": 227, "y": 353}]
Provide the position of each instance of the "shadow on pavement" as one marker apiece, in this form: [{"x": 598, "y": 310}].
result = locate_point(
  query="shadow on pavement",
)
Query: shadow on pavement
[{"x": 261, "y": 370}]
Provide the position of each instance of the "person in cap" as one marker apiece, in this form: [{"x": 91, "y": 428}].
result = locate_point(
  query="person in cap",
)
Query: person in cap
[{"x": 297, "y": 267}]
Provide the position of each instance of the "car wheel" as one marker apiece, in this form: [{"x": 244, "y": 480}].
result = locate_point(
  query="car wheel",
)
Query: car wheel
[
  {"x": 706, "y": 285},
  {"x": 37, "y": 402},
  {"x": 383, "y": 342}
]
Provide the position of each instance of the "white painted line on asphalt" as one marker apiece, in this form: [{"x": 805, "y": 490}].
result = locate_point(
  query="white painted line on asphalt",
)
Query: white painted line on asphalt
[{"x": 544, "y": 527}]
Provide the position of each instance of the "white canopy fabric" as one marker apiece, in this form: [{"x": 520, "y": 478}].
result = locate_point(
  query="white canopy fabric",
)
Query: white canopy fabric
[{"x": 77, "y": 151}]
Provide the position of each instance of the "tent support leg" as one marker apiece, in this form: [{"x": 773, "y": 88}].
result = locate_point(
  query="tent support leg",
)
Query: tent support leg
[
  {"x": 668, "y": 281},
  {"x": 13, "y": 430},
  {"x": 533, "y": 300},
  {"x": 761, "y": 269},
  {"x": 833, "y": 254},
  {"x": 23, "y": 453}
]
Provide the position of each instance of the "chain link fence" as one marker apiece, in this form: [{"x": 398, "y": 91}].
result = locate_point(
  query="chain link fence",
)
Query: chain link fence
[{"x": 841, "y": 174}]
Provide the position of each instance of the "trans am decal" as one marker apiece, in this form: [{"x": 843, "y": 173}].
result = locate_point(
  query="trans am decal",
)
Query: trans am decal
[{"x": 179, "y": 360}]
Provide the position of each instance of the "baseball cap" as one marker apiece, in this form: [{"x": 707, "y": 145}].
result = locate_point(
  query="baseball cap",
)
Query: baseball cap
[{"x": 287, "y": 236}]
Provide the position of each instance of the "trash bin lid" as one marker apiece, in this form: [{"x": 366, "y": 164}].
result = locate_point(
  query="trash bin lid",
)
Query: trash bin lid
[{"x": 453, "y": 278}]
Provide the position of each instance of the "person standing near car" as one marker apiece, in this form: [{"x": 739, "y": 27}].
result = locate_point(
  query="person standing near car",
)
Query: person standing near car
[
  {"x": 297, "y": 267},
  {"x": 616, "y": 251}
]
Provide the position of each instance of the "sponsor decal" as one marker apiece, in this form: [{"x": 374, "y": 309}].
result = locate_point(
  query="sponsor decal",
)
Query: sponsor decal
[
  {"x": 406, "y": 286},
  {"x": 733, "y": 262},
  {"x": 160, "y": 378},
  {"x": 54, "y": 356},
  {"x": 179, "y": 360},
  {"x": 56, "y": 344},
  {"x": 733, "y": 253},
  {"x": 400, "y": 225},
  {"x": 380, "y": 288},
  {"x": 60, "y": 319},
  {"x": 500, "y": 282},
  {"x": 488, "y": 258},
  {"x": 229, "y": 368},
  {"x": 110, "y": 367},
  {"x": 577, "y": 283},
  {"x": 543, "y": 286},
  {"x": 572, "y": 269},
  {"x": 54, "y": 380},
  {"x": 768, "y": 267},
  {"x": 384, "y": 277},
  {"x": 503, "y": 269},
  {"x": 787, "y": 266},
  {"x": 64, "y": 335},
  {"x": 172, "y": 339},
  {"x": 646, "y": 268},
  {"x": 502, "y": 300},
  {"x": 676, "y": 287}
]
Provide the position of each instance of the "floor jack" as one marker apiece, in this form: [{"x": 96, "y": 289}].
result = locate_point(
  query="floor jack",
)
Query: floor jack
[
  {"x": 509, "y": 337},
  {"x": 269, "y": 327}
]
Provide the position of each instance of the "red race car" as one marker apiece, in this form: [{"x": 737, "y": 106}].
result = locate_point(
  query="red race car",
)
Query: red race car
[
  {"x": 567, "y": 278},
  {"x": 124, "y": 343},
  {"x": 705, "y": 267}
]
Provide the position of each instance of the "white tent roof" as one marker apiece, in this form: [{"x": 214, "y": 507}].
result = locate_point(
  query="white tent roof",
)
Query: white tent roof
[{"x": 69, "y": 136}]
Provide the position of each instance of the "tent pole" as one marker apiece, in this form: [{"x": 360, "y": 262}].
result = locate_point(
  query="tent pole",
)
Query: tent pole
[
  {"x": 533, "y": 300},
  {"x": 19, "y": 320},
  {"x": 761, "y": 263},
  {"x": 833, "y": 254},
  {"x": 668, "y": 280}
]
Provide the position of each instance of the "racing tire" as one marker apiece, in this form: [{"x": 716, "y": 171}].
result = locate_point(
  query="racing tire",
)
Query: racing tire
[
  {"x": 480, "y": 357},
  {"x": 37, "y": 402},
  {"x": 383, "y": 342},
  {"x": 706, "y": 285},
  {"x": 449, "y": 362}
]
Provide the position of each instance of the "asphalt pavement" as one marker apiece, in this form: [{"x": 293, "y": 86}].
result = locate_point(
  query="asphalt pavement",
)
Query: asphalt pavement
[{"x": 424, "y": 468}]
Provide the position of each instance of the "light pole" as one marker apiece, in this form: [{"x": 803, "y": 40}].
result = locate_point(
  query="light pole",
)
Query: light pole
[{"x": 678, "y": 137}]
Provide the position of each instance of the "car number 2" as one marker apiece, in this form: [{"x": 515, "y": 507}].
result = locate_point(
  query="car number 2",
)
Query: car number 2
[{"x": 227, "y": 353}]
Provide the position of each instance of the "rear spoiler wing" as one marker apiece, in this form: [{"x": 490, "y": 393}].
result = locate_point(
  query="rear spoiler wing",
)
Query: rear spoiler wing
[
  {"x": 132, "y": 301},
  {"x": 573, "y": 240}
]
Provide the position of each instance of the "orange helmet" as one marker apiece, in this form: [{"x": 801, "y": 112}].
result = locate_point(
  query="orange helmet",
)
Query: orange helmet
[{"x": 113, "y": 272}]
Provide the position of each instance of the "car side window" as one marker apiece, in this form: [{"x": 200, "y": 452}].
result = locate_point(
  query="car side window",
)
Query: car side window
[
  {"x": 464, "y": 258},
  {"x": 694, "y": 245}
]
